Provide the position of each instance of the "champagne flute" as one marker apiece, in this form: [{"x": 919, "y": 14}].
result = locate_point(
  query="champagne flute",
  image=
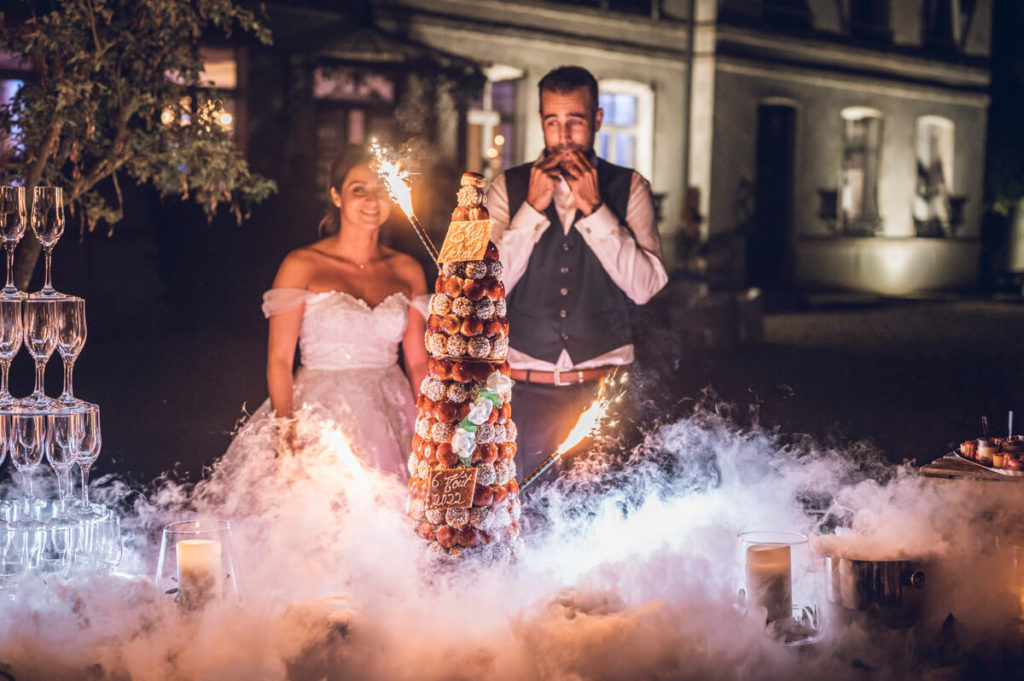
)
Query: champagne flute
[
  {"x": 88, "y": 451},
  {"x": 30, "y": 439},
  {"x": 12, "y": 228},
  {"x": 48, "y": 225},
  {"x": 10, "y": 342},
  {"x": 63, "y": 451},
  {"x": 39, "y": 319},
  {"x": 71, "y": 333}
]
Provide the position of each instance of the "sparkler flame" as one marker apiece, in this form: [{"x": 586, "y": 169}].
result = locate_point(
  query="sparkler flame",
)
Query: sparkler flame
[
  {"x": 396, "y": 179},
  {"x": 335, "y": 440},
  {"x": 394, "y": 176},
  {"x": 590, "y": 420}
]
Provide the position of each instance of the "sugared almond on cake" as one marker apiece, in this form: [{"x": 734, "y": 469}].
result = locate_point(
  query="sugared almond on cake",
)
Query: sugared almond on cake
[{"x": 463, "y": 493}]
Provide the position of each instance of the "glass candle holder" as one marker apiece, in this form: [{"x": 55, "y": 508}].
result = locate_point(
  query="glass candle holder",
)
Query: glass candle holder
[
  {"x": 195, "y": 563},
  {"x": 781, "y": 580}
]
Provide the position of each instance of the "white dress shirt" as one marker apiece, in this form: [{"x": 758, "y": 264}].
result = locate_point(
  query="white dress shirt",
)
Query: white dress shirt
[{"x": 634, "y": 265}]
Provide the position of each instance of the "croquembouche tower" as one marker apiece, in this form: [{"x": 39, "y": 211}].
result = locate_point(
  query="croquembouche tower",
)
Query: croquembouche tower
[{"x": 463, "y": 493}]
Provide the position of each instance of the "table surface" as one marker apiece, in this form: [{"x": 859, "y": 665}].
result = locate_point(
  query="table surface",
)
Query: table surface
[{"x": 955, "y": 468}]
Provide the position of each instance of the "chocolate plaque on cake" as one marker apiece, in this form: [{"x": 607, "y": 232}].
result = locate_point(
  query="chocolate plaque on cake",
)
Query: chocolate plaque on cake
[{"x": 451, "y": 488}]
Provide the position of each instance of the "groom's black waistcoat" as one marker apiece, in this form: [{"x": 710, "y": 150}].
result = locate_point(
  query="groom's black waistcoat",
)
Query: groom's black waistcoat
[{"x": 565, "y": 299}]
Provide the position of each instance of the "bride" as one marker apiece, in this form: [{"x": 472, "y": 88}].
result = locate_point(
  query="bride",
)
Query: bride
[{"x": 347, "y": 301}]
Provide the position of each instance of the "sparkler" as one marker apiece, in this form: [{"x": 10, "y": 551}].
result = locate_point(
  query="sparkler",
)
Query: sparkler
[
  {"x": 590, "y": 420},
  {"x": 396, "y": 179}
]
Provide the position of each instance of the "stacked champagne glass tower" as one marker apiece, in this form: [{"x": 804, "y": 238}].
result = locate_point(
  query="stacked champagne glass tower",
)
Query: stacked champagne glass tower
[{"x": 67, "y": 535}]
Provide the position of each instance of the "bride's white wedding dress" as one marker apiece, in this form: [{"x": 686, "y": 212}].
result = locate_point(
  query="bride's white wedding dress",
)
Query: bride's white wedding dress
[{"x": 349, "y": 379}]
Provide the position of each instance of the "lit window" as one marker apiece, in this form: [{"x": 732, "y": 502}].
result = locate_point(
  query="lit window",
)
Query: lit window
[
  {"x": 220, "y": 72},
  {"x": 627, "y": 129},
  {"x": 858, "y": 181},
  {"x": 220, "y": 68},
  {"x": 8, "y": 88},
  {"x": 352, "y": 84},
  {"x": 491, "y": 139},
  {"x": 12, "y": 66},
  {"x": 934, "y": 151}
]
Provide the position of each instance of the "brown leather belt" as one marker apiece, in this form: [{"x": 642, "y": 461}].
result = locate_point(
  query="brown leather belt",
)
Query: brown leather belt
[{"x": 559, "y": 377}]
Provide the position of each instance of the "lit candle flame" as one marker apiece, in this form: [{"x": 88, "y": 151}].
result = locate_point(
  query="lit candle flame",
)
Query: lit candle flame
[{"x": 395, "y": 178}]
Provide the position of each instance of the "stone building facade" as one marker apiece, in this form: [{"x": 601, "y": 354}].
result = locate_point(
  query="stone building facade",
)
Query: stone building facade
[
  {"x": 834, "y": 144},
  {"x": 826, "y": 144}
]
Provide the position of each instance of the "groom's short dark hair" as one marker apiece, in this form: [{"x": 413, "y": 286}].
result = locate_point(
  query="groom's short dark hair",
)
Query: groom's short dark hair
[{"x": 565, "y": 79}]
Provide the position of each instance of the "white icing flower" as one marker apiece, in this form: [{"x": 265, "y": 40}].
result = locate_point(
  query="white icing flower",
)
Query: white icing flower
[
  {"x": 499, "y": 383},
  {"x": 480, "y": 410},
  {"x": 463, "y": 442}
]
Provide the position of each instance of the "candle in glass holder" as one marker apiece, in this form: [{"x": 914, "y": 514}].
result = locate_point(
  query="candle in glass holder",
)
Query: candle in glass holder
[
  {"x": 769, "y": 579},
  {"x": 199, "y": 568}
]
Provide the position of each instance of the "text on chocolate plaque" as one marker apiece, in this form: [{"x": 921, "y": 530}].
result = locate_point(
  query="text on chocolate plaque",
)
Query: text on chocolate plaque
[{"x": 451, "y": 488}]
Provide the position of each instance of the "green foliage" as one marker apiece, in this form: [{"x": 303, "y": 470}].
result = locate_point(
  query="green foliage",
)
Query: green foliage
[{"x": 89, "y": 115}]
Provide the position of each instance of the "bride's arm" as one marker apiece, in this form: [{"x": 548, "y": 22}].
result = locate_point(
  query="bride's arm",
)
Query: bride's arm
[
  {"x": 283, "y": 337},
  {"x": 414, "y": 351}
]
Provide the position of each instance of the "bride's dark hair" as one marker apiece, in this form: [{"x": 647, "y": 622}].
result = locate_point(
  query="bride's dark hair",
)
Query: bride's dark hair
[{"x": 351, "y": 156}]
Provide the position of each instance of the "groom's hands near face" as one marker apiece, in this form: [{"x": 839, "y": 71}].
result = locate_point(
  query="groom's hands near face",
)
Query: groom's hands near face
[
  {"x": 543, "y": 179},
  {"x": 581, "y": 176}
]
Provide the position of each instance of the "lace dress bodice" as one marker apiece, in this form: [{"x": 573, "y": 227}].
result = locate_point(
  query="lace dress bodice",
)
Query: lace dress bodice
[{"x": 340, "y": 331}]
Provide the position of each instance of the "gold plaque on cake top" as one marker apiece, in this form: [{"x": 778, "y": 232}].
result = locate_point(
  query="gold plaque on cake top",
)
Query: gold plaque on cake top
[{"x": 466, "y": 241}]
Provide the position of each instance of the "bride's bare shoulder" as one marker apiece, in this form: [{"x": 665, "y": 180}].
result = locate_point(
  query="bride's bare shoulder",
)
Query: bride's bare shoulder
[{"x": 297, "y": 268}]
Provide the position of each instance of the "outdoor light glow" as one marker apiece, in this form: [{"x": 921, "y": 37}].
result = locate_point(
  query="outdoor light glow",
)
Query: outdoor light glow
[
  {"x": 225, "y": 118},
  {"x": 499, "y": 140},
  {"x": 166, "y": 117}
]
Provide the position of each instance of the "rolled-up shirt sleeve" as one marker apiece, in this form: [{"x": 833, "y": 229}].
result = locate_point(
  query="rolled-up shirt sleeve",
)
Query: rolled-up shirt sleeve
[
  {"x": 630, "y": 250},
  {"x": 515, "y": 236}
]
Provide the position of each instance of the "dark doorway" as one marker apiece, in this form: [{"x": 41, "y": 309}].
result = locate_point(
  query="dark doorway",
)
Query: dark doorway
[{"x": 768, "y": 256}]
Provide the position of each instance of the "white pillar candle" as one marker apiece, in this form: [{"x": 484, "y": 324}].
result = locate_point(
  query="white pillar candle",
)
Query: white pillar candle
[
  {"x": 769, "y": 580},
  {"x": 199, "y": 568}
]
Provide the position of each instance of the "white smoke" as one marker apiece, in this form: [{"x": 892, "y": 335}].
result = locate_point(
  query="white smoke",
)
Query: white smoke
[{"x": 630, "y": 571}]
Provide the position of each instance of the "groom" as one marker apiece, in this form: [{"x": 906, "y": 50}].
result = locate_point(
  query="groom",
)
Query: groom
[{"x": 580, "y": 246}]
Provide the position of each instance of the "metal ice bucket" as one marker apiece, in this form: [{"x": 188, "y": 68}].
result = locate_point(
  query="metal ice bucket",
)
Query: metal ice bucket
[{"x": 891, "y": 591}]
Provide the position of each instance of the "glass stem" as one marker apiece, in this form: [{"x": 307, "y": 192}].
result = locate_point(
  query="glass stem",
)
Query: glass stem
[
  {"x": 30, "y": 494},
  {"x": 40, "y": 374},
  {"x": 63, "y": 479},
  {"x": 5, "y": 370},
  {"x": 10, "y": 265},
  {"x": 47, "y": 285},
  {"x": 69, "y": 366},
  {"x": 85, "y": 484}
]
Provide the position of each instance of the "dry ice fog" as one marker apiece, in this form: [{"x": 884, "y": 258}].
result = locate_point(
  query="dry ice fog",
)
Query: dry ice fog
[{"x": 632, "y": 569}]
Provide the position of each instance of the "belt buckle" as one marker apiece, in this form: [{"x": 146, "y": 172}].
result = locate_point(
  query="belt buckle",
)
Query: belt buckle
[{"x": 558, "y": 378}]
